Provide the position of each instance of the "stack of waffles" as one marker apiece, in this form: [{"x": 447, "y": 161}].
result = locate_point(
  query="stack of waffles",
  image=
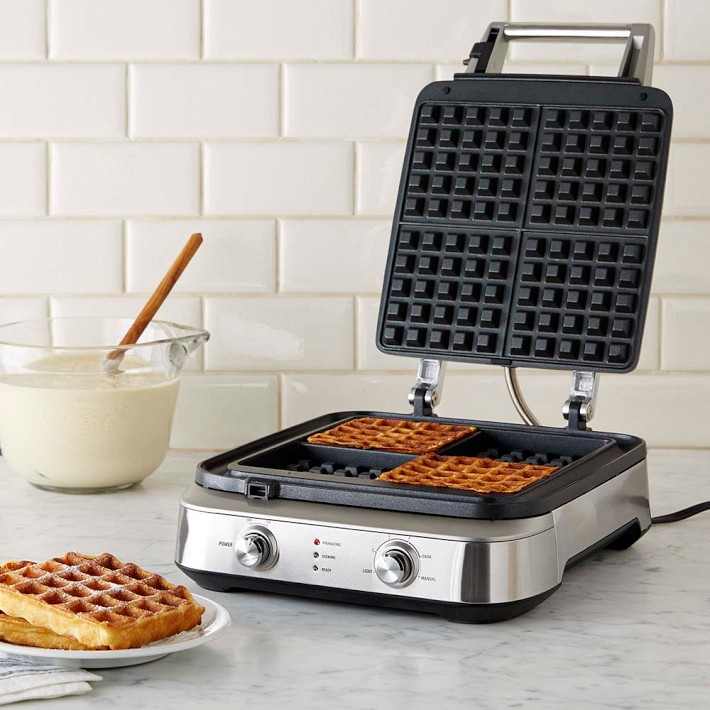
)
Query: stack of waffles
[
  {"x": 83, "y": 602},
  {"x": 480, "y": 475}
]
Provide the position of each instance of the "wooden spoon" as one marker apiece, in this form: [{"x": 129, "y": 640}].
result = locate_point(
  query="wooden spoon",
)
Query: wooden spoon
[{"x": 115, "y": 357}]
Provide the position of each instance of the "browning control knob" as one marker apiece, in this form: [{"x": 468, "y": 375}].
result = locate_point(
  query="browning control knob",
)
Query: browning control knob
[
  {"x": 256, "y": 548},
  {"x": 396, "y": 564}
]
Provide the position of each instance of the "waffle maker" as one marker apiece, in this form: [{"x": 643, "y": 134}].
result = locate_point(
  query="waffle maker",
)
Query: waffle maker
[{"x": 524, "y": 235}]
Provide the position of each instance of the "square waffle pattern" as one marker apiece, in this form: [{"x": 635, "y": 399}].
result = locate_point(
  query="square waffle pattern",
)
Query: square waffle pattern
[
  {"x": 451, "y": 291},
  {"x": 525, "y": 235},
  {"x": 97, "y": 600},
  {"x": 392, "y": 435},
  {"x": 479, "y": 475},
  {"x": 576, "y": 299},
  {"x": 470, "y": 164},
  {"x": 595, "y": 169}
]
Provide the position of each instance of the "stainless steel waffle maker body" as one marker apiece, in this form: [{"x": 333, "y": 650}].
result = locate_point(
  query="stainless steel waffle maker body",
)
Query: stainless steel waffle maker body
[{"x": 524, "y": 235}]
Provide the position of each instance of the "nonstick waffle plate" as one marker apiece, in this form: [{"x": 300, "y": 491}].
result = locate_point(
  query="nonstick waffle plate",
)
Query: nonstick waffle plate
[
  {"x": 526, "y": 224},
  {"x": 286, "y": 466}
]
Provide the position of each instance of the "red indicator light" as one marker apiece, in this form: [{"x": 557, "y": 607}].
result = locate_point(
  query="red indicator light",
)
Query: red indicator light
[{"x": 316, "y": 541}]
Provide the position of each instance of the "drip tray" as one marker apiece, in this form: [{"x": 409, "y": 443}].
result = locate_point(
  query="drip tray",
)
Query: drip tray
[{"x": 285, "y": 465}]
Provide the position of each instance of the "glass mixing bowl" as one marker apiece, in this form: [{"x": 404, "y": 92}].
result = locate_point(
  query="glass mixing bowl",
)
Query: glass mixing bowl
[{"x": 68, "y": 421}]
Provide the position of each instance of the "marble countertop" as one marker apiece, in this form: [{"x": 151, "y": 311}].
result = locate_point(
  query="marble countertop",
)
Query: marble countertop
[{"x": 626, "y": 629}]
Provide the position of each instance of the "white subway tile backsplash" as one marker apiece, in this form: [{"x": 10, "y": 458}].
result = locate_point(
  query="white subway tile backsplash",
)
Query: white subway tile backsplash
[
  {"x": 278, "y": 334},
  {"x": 333, "y": 256},
  {"x": 680, "y": 264},
  {"x": 445, "y": 72},
  {"x": 686, "y": 188},
  {"x": 125, "y": 179},
  {"x": 237, "y": 256},
  {"x": 204, "y": 100},
  {"x": 686, "y": 30},
  {"x": 176, "y": 309},
  {"x": 305, "y": 396},
  {"x": 278, "y": 129},
  {"x": 379, "y": 167},
  {"x": 23, "y": 179},
  {"x": 14, "y": 309},
  {"x": 628, "y": 404},
  {"x": 279, "y": 178},
  {"x": 344, "y": 101},
  {"x": 686, "y": 327},
  {"x": 273, "y": 29},
  {"x": 625, "y": 405},
  {"x": 224, "y": 411},
  {"x": 22, "y": 29},
  {"x": 419, "y": 30},
  {"x": 601, "y": 11},
  {"x": 73, "y": 257},
  {"x": 62, "y": 101},
  {"x": 125, "y": 30}
]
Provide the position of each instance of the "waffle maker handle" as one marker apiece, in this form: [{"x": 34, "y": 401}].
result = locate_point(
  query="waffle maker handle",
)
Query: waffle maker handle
[
  {"x": 637, "y": 62},
  {"x": 488, "y": 57}
]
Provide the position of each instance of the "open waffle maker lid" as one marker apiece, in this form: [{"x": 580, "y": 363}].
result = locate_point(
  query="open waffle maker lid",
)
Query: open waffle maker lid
[
  {"x": 524, "y": 235},
  {"x": 528, "y": 212}
]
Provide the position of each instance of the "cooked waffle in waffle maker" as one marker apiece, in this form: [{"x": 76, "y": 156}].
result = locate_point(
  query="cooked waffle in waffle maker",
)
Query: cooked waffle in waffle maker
[
  {"x": 468, "y": 473},
  {"x": 99, "y": 601},
  {"x": 392, "y": 435}
]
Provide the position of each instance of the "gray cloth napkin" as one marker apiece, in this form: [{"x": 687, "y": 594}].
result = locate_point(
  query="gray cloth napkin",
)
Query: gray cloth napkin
[{"x": 28, "y": 681}]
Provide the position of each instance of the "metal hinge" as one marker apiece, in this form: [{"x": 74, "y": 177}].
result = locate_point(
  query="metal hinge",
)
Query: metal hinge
[
  {"x": 579, "y": 407},
  {"x": 426, "y": 393}
]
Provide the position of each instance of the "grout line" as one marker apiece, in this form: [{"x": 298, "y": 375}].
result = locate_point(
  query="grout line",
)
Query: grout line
[
  {"x": 201, "y": 181},
  {"x": 356, "y": 328},
  {"x": 278, "y": 247},
  {"x": 254, "y": 140},
  {"x": 124, "y": 256},
  {"x": 129, "y": 103},
  {"x": 413, "y": 61},
  {"x": 356, "y": 29},
  {"x": 48, "y": 178},
  {"x": 263, "y": 217},
  {"x": 282, "y": 100},
  {"x": 661, "y": 328},
  {"x": 202, "y": 29},
  {"x": 356, "y": 176},
  {"x": 47, "y": 27},
  {"x": 279, "y": 401},
  {"x": 662, "y": 31}
]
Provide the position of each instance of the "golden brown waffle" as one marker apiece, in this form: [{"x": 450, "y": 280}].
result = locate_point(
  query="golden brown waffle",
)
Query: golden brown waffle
[
  {"x": 468, "y": 473},
  {"x": 22, "y": 633},
  {"x": 97, "y": 600},
  {"x": 392, "y": 435}
]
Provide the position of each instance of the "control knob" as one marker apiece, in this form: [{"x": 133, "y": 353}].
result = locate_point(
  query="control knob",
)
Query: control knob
[
  {"x": 256, "y": 548},
  {"x": 396, "y": 564}
]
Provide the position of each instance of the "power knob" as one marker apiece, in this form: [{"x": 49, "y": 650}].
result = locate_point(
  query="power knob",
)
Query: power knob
[
  {"x": 256, "y": 548},
  {"x": 396, "y": 564}
]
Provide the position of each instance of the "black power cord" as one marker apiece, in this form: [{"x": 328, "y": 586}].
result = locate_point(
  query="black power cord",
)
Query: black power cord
[{"x": 681, "y": 514}]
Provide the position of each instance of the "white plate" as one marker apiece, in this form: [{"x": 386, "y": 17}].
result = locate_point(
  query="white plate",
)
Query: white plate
[{"x": 215, "y": 622}]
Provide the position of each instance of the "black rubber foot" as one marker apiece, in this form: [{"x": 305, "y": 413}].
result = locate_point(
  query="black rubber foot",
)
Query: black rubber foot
[{"x": 627, "y": 537}]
